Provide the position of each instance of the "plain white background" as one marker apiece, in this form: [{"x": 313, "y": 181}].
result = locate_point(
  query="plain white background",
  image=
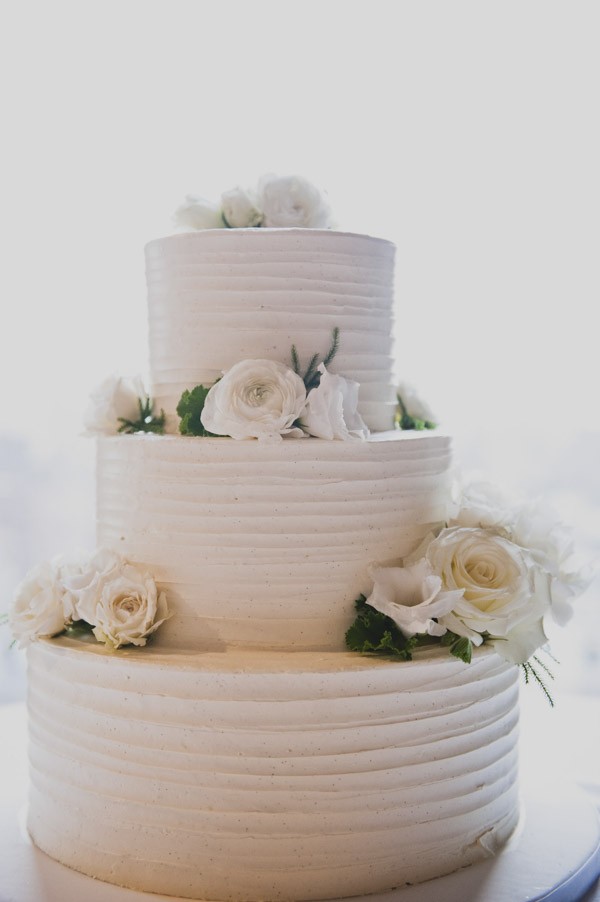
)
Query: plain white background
[{"x": 465, "y": 132}]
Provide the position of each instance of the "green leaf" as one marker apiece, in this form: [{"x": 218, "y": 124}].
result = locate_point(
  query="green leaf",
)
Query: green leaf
[
  {"x": 189, "y": 409},
  {"x": 78, "y": 628},
  {"x": 374, "y": 633},
  {"x": 405, "y": 421},
  {"x": 462, "y": 648}
]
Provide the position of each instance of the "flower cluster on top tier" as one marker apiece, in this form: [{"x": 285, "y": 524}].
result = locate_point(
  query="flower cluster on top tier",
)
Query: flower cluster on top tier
[
  {"x": 277, "y": 202},
  {"x": 495, "y": 573},
  {"x": 103, "y": 592}
]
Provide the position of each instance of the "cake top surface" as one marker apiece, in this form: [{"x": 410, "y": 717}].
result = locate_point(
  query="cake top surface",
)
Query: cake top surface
[
  {"x": 257, "y": 237},
  {"x": 277, "y": 662}
]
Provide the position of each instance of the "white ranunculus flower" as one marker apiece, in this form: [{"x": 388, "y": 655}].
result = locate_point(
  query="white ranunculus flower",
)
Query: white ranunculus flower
[
  {"x": 82, "y": 575},
  {"x": 196, "y": 213},
  {"x": 127, "y": 607},
  {"x": 240, "y": 210},
  {"x": 115, "y": 398},
  {"x": 292, "y": 202},
  {"x": 255, "y": 399},
  {"x": 37, "y": 610},
  {"x": 331, "y": 409},
  {"x": 412, "y": 597}
]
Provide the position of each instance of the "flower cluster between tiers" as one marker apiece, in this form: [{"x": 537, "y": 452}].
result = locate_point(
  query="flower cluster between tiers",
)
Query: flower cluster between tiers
[
  {"x": 277, "y": 202},
  {"x": 119, "y": 602},
  {"x": 495, "y": 573},
  {"x": 259, "y": 398}
]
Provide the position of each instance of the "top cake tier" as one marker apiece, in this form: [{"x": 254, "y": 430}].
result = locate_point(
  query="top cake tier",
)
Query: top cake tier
[{"x": 216, "y": 297}]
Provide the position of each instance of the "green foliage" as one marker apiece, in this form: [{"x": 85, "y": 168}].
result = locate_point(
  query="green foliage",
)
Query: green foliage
[
  {"x": 78, "y": 628},
  {"x": 405, "y": 421},
  {"x": 312, "y": 377},
  {"x": 146, "y": 421},
  {"x": 459, "y": 646},
  {"x": 374, "y": 633},
  {"x": 531, "y": 672},
  {"x": 190, "y": 407}
]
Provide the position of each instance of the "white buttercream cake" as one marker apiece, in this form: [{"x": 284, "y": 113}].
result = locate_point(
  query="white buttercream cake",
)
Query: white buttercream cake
[{"x": 245, "y": 755}]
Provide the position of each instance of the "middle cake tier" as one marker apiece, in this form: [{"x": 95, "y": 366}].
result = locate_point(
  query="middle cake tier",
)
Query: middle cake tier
[{"x": 267, "y": 545}]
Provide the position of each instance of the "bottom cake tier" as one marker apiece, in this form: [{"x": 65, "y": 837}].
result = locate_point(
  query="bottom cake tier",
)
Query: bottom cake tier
[{"x": 269, "y": 776}]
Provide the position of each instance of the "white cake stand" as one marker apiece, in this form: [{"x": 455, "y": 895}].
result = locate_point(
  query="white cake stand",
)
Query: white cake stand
[{"x": 554, "y": 855}]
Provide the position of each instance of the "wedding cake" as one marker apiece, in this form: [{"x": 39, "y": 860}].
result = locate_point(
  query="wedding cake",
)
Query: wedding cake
[{"x": 263, "y": 520}]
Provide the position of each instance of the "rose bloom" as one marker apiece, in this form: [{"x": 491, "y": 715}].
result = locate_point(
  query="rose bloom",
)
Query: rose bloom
[
  {"x": 255, "y": 399},
  {"x": 196, "y": 213},
  {"x": 331, "y": 410},
  {"x": 115, "y": 398},
  {"x": 37, "y": 610},
  {"x": 239, "y": 209},
  {"x": 127, "y": 609},
  {"x": 81, "y": 575},
  {"x": 498, "y": 580},
  {"x": 292, "y": 202}
]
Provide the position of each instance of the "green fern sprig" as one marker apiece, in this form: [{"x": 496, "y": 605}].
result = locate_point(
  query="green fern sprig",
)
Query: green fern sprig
[
  {"x": 334, "y": 348},
  {"x": 146, "y": 422},
  {"x": 530, "y": 672},
  {"x": 295, "y": 360},
  {"x": 312, "y": 377}
]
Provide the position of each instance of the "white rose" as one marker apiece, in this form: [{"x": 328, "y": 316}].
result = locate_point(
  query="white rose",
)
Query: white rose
[
  {"x": 127, "y": 608},
  {"x": 413, "y": 405},
  {"x": 498, "y": 581},
  {"x": 114, "y": 399},
  {"x": 239, "y": 209},
  {"x": 412, "y": 597},
  {"x": 81, "y": 577},
  {"x": 331, "y": 409},
  {"x": 292, "y": 202},
  {"x": 255, "y": 399},
  {"x": 196, "y": 213},
  {"x": 37, "y": 609}
]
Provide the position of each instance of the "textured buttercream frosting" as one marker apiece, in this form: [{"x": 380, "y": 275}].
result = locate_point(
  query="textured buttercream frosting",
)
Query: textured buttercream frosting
[
  {"x": 267, "y": 545},
  {"x": 244, "y": 776},
  {"x": 220, "y": 296},
  {"x": 243, "y": 755}
]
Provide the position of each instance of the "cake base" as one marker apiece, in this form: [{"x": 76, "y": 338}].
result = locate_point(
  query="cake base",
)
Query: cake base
[
  {"x": 554, "y": 856},
  {"x": 269, "y": 776}
]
